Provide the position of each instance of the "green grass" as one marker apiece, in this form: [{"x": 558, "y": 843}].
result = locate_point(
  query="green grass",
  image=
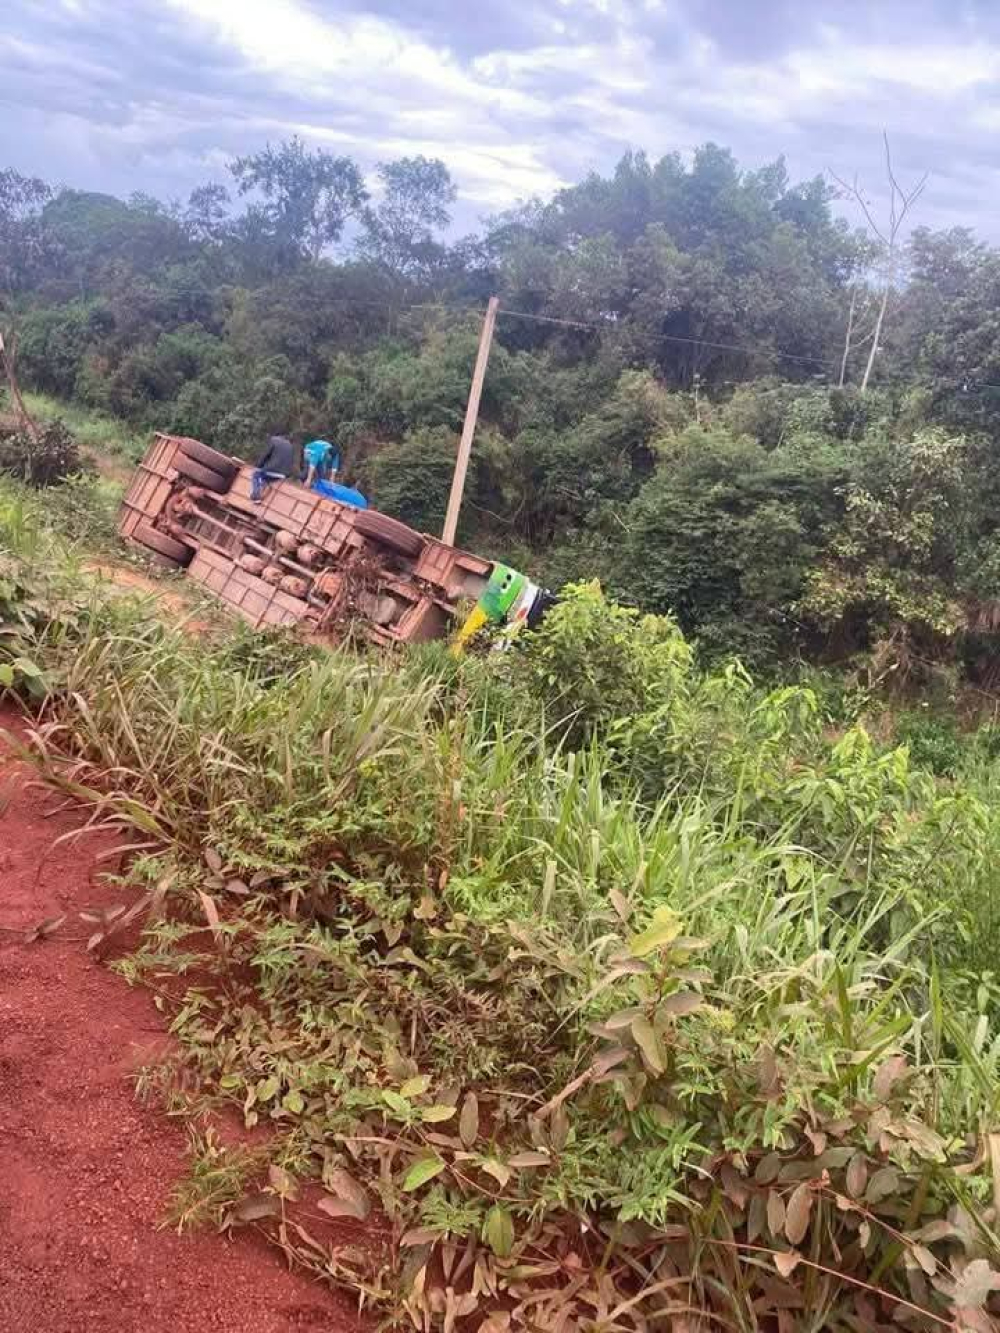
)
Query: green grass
[
  {"x": 103, "y": 435},
  {"x": 670, "y": 1004}
]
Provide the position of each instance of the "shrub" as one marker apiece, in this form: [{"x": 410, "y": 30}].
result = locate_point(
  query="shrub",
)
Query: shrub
[
  {"x": 724, "y": 536},
  {"x": 888, "y": 572},
  {"x": 44, "y": 461},
  {"x": 934, "y": 741},
  {"x": 412, "y": 480},
  {"x": 592, "y": 662}
]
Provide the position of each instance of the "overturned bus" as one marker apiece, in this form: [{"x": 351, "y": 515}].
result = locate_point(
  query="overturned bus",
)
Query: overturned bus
[{"x": 319, "y": 557}]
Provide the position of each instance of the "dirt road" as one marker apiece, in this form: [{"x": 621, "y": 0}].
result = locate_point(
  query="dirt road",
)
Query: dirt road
[
  {"x": 178, "y": 600},
  {"x": 86, "y": 1169}
]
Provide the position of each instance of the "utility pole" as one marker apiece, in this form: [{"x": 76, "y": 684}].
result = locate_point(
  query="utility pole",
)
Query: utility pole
[{"x": 469, "y": 428}]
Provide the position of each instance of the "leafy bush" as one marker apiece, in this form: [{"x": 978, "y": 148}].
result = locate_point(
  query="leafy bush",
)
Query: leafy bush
[
  {"x": 25, "y": 613},
  {"x": 45, "y": 461},
  {"x": 889, "y": 570},
  {"x": 934, "y": 742},
  {"x": 99, "y": 435},
  {"x": 412, "y": 480},
  {"x": 592, "y": 663},
  {"x": 18, "y": 620},
  {"x": 724, "y": 536},
  {"x": 54, "y": 344}
]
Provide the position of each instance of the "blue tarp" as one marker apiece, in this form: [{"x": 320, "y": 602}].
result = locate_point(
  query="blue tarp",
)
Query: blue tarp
[{"x": 344, "y": 494}]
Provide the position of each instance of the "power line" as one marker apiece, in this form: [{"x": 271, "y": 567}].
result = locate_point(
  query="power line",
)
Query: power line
[
  {"x": 594, "y": 326},
  {"x": 674, "y": 338},
  {"x": 966, "y": 385}
]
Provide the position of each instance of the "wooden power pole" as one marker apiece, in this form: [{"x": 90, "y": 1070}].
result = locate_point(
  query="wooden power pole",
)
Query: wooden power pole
[{"x": 469, "y": 428}]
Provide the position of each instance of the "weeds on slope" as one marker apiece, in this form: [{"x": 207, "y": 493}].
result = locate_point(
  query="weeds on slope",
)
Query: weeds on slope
[
  {"x": 106, "y": 436},
  {"x": 607, "y": 994}
]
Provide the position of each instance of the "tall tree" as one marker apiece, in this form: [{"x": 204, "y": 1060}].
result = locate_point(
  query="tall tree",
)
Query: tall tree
[
  {"x": 206, "y": 217},
  {"x": 887, "y": 233},
  {"x": 399, "y": 232},
  {"x": 309, "y": 195},
  {"x": 21, "y": 201}
]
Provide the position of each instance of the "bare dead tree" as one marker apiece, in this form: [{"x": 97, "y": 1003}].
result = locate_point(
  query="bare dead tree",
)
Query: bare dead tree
[
  {"x": 887, "y": 234},
  {"x": 854, "y": 338},
  {"x": 8, "y": 359}
]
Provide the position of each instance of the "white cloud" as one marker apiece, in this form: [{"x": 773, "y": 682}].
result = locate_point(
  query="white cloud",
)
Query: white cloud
[
  {"x": 416, "y": 98},
  {"x": 936, "y": 70},
  {"x": 284, "y": 38},
  {"x": 518, "y": 99}
]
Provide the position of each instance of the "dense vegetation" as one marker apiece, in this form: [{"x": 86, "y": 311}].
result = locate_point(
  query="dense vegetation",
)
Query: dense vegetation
[
  {"x": 691, "y": 432},
  {"x": 607, "y": 993},
  {"x": 610, "y": 986}
]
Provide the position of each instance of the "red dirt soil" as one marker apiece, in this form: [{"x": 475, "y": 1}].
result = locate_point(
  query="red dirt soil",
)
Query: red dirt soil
[{"x": 86, "y": 1169}]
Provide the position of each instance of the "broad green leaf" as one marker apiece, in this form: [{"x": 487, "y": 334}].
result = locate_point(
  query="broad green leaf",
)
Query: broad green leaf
[
  {"x": 797, "y": 1213},
  {"x": 609, "y": 1059},
  {"x": 882, "y": 1184},
  {"x": 857, "y": 1175},
  {"x": 558, "y": 1129},
  {"x": 976, "y": 1282},
  {"x": 680, "y": 1003},
  {"x": 267, "y": 1089},
  {"x": 254, "y": 1209},
  {"x": 664, "y": 928},
  {"x": 468, "y": 1124},
  {"x": 415, "y": 1087},
  {"x": 622, "y": 1019},
  {"x": 423, "y": 1170},
  {"x": 498, "y": 1231},
  {"x": 650, "y": 1044},
  {"x": 343, "y": 1184},
  {"x": 337, "y": 1207},
  {"x": 925, "y": 1259},
  {"x": 435, "y": 1114},
  {"x": 350, "y": 1199},
  {"x": 420, "y": 1236},
  {"x": 6, "y": 674},
  {"x": 281, "y": 1182},
  {"x": 398, "y": 1105},
  {"x": 526, "y": 1159},
  {"x": 756, "y": 1217},
  {"x": 294, "y": 1102},
  {"x": 767, "y": 1168},
  {"x": 786, "y": 1263},
  {"x": 888, "y": 1073},
  {"x": 499, "y": 1172}
]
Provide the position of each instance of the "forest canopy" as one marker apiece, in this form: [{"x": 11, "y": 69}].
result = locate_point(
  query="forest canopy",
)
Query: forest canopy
[{"x": 674, "y": 402}]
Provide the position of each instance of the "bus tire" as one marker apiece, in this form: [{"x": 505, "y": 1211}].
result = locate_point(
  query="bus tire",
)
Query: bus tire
[
  {"x": 169, "y": 550},
  {"x": 210, "y": 458}
]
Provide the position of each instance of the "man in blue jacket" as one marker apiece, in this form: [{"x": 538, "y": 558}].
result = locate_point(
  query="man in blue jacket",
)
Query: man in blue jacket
[{"x": 322, "y": 461}]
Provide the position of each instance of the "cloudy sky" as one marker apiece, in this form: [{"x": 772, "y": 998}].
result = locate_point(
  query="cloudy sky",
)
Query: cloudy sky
[{"x": 518, "y": 96}]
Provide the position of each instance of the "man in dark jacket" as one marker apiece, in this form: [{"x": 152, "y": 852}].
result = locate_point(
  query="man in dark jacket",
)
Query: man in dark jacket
[{"x": 276, "y": 463}]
